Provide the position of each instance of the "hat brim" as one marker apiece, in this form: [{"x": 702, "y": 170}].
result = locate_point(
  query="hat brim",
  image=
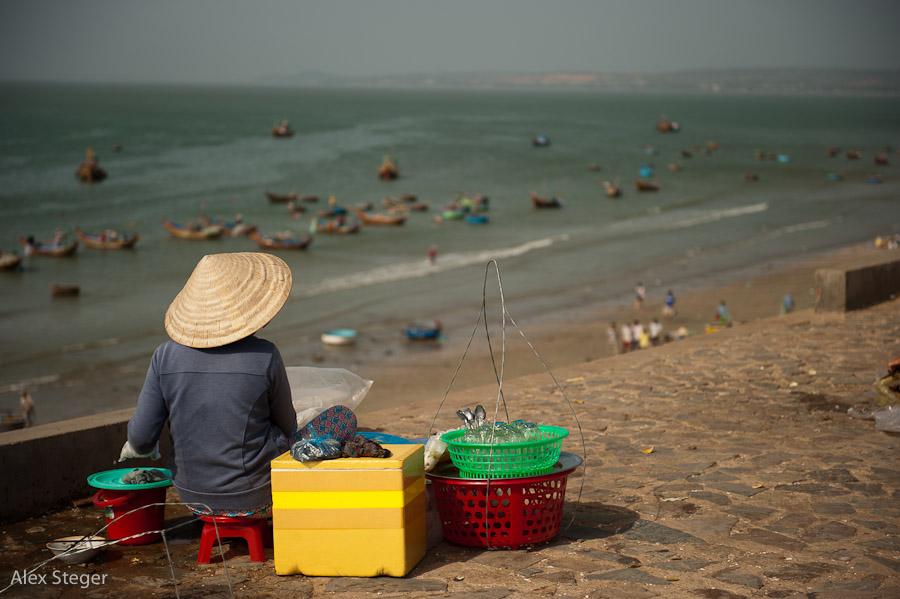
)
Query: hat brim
[{"x": 228, "y": 297}]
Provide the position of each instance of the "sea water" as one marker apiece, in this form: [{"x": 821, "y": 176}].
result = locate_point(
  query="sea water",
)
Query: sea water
[{"x": 187, "y": 150}]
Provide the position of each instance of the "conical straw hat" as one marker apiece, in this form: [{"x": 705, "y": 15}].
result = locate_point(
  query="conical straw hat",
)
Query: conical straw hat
[{"x": 228, "y": 297}]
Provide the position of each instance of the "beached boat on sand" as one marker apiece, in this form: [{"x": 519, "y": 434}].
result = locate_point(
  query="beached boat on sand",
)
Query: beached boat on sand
[
  {"x": 541, "y": 202},
  {"x": 280, "y": 198},
  {"x": 33, "y": 247},
  {"x": 195, "y": 231},
  {"x": 376, "y": 218},
  {"x": 280, "y": 243},
  {"x": 421, "y": 332},
  {"x": 107, "y": 240},
  {"x": 339, "y": 337}
]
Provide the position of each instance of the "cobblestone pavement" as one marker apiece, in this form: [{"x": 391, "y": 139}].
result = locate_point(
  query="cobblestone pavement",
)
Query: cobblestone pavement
[{"x": 759, "y": 484}]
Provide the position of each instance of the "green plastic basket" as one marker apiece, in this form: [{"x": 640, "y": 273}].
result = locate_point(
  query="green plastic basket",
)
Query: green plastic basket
[{"x": 506, "y": 460}]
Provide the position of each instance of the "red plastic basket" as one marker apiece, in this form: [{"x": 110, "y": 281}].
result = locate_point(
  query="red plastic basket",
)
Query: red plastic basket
[{"x": 520, "y": 511}]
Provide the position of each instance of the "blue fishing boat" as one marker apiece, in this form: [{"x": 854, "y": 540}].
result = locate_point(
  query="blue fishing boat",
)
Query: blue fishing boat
[
  {"x": 540, "y": 141},
  {"x": 646, "y": 170},
  {"x": 477, "y": 219},
  {"x": 339, "y": 337},
  {"x": 421, "y": 332},
  {"x": 835, "y": 177}
]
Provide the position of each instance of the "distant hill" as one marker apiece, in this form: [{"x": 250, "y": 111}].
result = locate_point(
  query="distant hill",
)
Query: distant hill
[{"x": 735, "y": 81}]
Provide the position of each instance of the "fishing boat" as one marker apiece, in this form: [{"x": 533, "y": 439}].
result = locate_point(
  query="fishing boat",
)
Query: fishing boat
[
  {"x": 752, "y": 177},
  {"x": 388, "y": 169},
  {"x": 541, "y": 202},
  {"x": 612, "y": 189},
  {"x": 310, "y": 199},
  {"x": 835, "y": 177},
  {"x": 33, "y": 247},
  {"x": 408, "y": 197},
  {"x": 283, "y": 130},
  {"x": 331, "y": 211},
  {"x": 477, "y": 219},
  {"x": 90, "y": 171},
  {"x": 418, "y": 206},
  {"x": 881, "y": 159},
  {"x": 233, "y": 228},
  {"x": 421, "y": 332},
  {"x": 375, "y": 218},
  {"x": 61, "y": 290},
  {"x": 540, "y": 141},
  {"x": 664, "y": 125},
  {"x": 675, "y": 166},
  {"x": 279, "y": 242},
  {"x": 853, "y": 154},
  {"x": 339, "y": 337},
  {"x": 594, "y": 167},
  {"x": 335, "y": 227},
  {"x": 280, "y": 198},
  {"x": 9, "y": 261},
  {"x": 646, "y": 170},
  {"x": 453, "y": 214},
  {"x": 194, "y": 231},
  {"x": 107, "y": 240},
  {"x": 832, "y": 151},
  {"x": 874, "y": 178},
  {"x": 646, "y": 185}
]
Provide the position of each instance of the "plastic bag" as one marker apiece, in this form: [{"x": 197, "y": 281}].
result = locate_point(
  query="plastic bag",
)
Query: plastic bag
[
  {"x": 317, "y": 448},
  {"x": 888, "y": 419},
  {"x": 435, "y": 451},
  {"x": 314, "y": 390}
]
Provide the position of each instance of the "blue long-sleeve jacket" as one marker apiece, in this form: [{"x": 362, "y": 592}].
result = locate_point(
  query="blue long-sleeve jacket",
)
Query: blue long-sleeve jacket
[{"x": 230, "y": 413}]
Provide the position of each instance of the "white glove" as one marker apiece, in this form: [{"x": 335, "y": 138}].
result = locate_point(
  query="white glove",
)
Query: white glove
[{"x": 129, "y": 452}]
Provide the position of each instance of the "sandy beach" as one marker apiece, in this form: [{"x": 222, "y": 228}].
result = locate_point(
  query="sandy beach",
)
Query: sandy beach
[
  {"x": 406, "y": 372},
  {"x": 567, "y": 327}
]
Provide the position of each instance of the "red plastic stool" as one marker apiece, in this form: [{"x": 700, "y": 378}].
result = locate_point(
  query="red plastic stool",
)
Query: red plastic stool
[{"x": 254, "y": 530}]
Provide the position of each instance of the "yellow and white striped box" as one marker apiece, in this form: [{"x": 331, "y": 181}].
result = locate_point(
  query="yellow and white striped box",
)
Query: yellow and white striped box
[{"x": 350, "y": 516}]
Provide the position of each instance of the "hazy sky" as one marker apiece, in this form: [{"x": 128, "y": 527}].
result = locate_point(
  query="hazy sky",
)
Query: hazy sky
[{"x": 240, "y": 41}]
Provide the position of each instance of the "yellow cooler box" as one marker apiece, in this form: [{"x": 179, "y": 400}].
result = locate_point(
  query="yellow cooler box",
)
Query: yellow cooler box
[{"x": 350, "y": 516}]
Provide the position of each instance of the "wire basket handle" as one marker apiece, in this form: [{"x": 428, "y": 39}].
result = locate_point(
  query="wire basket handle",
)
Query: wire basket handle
[{"x": 482, "y": 314}]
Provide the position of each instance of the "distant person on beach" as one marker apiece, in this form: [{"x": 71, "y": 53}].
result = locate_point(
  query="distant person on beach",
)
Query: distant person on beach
[
  {"x": 637, "y": 332},
  {"x": 432, "y": 253},
  {"x": 223, "y": 391},
  {"x": 641, "y": 336},
  {"x": 722, "y": 314},
  {"x": 612, "y": 338},
  {"x": 669, "y": 306},
  {"x": 787, "y": 304},
  {"x": 626, "y": 337},
  {"x": 640, "y": 294},
  {"x": 655, "y": 332},
  {"x": 27, "y": 406}
]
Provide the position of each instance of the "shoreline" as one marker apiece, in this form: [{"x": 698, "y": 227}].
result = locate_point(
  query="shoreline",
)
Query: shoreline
[
  {"x": 565, "y": 327},
  {"x": 409, "y": 371}
]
